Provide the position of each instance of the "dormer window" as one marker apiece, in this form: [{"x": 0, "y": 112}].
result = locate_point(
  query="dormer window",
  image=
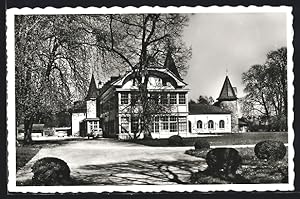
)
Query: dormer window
[{"x": 164, "y": 82}]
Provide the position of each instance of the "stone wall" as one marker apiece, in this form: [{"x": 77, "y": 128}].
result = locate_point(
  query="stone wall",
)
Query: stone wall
[{"x": 233, "y": 108}]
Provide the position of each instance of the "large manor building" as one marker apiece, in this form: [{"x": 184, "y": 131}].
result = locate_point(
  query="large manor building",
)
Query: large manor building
[{"x": 105, "y": 108}]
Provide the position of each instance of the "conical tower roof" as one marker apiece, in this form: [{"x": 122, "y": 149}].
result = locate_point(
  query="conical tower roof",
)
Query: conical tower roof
[
  {"x": 170, "y": 64},
  {"x": 92, "y": 92},
  {"x": 227, "y": 92}
]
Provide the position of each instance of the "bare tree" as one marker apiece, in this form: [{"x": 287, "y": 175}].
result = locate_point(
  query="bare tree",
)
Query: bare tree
[
  {"x": 266, "y": 88},
  {"x": 205, "y": 100},
  {"x": 139, "y": 42},
  {"x": 51, "y": 60}
]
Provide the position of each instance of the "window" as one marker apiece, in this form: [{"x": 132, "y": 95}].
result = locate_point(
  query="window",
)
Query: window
[
  {"x": 124, "y": 124},
  {"x": 173, "y": 98},
  {"x": 221, "y": 124},
  {"x": 173, "y": 124},
  {"x": 164, "y": 98},
  {"x": 96, "y": 125},
  {"x": 165, "y": 122},
  {"x": 134, "y": 98},
  {"x": 182, "y": 98},
  {"x": 154, "y": 97},
  {"x": 199, "y": 124},
  {"x": 155, "y": 125},
  {"x": 182, "y": 123},
  {"x": 210, "y": 124},
  {"x": 91, "y": 126},
  {"x": 190, "y": 126},
  {"x": 124, "y": 98}
]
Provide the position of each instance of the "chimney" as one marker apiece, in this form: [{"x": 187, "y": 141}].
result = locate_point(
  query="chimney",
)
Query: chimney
[{"x": 100, "y": 84}]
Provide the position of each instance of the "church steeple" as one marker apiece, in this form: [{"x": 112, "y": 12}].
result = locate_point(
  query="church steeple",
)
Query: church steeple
[
  {"x": 170, "y": 64},
  {"x": 227, "y": 92},
  {"x": 92, "y": 92}
]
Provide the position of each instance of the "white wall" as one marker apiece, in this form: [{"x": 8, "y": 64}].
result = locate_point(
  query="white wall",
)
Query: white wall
[
  {"x": 91, "y": 108},
  {"x": 76, "y": 118},
  {"x": 215, "y": 118}
]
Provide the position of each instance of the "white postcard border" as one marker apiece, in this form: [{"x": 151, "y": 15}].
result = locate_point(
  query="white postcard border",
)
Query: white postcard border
[{"x": 11, "y": 126}]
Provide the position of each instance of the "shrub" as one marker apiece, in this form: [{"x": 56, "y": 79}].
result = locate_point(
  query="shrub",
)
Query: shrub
[
  {"x": 270, "y": 150},
  {"x": 201, "y": 144},
  {"x": 50, "y": 171},
  {"x": 223, "y": 161},
  {"x": 175, "y": 140}
]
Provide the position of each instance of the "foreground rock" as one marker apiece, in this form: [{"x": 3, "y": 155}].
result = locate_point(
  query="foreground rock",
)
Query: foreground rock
[
  {"x": 270, "y": 150},
  {"x": 50, "y": 171},
  {"x": 223, "y": 161}
]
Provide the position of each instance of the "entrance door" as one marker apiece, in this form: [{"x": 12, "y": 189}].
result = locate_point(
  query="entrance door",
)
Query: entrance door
[{"x": 190, "y": 127}]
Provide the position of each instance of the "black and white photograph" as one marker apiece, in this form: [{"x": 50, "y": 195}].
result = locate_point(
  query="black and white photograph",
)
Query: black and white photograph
[{"x": 150, "y": 99}]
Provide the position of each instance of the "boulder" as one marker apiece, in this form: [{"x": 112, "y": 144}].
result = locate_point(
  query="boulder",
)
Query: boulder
[
  {"x": 175, "y": 140},
  {"x": 50, "y": 171},
  {"x": 270, "y": 150},
  {"x": 223, "y": 161}
]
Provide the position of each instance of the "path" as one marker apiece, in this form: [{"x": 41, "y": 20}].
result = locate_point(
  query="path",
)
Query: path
[{"x": 108, "y": 161}]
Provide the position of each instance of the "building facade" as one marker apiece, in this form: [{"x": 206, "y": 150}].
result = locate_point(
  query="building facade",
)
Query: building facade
[
  {"x": 109, "y": 108},
  {"x": 207, "y": 119}
]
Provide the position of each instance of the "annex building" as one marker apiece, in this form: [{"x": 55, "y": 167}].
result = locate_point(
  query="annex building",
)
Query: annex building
[{"x": 105, "y": 108}]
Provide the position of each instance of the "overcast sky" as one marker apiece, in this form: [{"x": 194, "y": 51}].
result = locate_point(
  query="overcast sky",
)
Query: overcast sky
[{"x": 229, "y": 41}]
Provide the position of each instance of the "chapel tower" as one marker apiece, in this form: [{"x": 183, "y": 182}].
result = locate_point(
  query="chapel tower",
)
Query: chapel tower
[{"x": 227, "y": 100}]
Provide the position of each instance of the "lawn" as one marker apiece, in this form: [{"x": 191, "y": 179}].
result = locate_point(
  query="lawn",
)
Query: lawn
[
  {"x": 252, "y": 169},
  {"x": 24, "y": 153},
  {"x": 225, "y": 139}
]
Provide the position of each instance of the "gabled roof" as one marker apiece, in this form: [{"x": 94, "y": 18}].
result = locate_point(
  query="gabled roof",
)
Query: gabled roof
[
  {"x": 227, "y": 92},
  {"x": 170, "y": 64},
  {"x": 161, "y": 72},
  {"x": 92, "y": 92},
  {"x": 195, "y": 109}
]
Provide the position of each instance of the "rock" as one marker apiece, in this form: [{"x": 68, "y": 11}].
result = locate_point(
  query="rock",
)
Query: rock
[
  {"x": 270, "y": 150},
  {"x": 175, "y": 140},
  {"x": 50, "y": 171},
  {"x": 223, "y": 161}
]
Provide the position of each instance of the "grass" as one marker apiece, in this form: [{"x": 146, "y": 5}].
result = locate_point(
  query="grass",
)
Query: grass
[
  {"x": 252, "y": 169},
  {"x": 224, "y": 139},
  {"x": 24, "y": 153}
]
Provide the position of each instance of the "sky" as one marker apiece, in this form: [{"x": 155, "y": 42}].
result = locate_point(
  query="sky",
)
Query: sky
[{"x": 229, "y": 42}]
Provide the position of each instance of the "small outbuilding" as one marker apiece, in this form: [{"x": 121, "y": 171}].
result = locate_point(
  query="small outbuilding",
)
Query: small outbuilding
[{"x": 206, "y": 119}]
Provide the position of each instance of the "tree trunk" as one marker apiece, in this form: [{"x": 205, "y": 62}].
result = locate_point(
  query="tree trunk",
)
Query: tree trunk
[{"x": 28, "y": 123}]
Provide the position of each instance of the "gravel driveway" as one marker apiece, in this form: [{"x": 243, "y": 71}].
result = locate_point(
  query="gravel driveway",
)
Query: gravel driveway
[{"x": 110, "y": 162}]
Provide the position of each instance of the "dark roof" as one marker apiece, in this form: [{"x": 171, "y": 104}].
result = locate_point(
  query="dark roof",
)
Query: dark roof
[
  {"x": 227, "y": 92},
  {"x": 170, "y": 64},
  {"x": 195, "y": 109},
  {"x": 107, "y": 84},
  {"x": 79, "y": 107},
  {"x": 92, "y": 92}
]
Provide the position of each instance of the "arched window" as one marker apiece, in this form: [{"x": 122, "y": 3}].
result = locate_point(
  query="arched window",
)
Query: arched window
[
  {"x": 221, "y": 124},
  {"x": 199, "y": 124},
  {"x": 210, "y": 124}
]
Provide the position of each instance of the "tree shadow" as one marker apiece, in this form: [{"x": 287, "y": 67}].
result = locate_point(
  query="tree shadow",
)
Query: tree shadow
[{"x": 154, "y": 172}]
